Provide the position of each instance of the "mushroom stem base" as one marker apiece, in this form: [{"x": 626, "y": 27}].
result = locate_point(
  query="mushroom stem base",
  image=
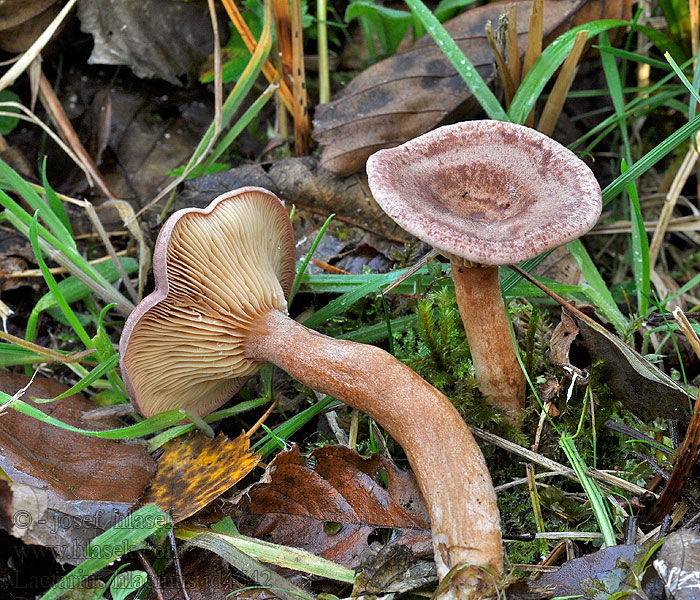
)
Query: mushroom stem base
[
  {"x": 448, "y": 464},
  {"x": 485, "y": 319}
]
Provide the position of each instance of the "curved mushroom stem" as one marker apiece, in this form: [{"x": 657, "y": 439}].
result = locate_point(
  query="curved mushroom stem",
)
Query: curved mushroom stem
[
  {"x": 480, "y": 303},
  {"x": 447, "y": 462}
]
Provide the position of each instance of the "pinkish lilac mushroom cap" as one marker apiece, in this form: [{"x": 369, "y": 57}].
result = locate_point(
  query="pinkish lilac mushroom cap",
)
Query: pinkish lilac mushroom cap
[
  {"x": 491, "y": 192},
  {"x": 216, "y": 269}
]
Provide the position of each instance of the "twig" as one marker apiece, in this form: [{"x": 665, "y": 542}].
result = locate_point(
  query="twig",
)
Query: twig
[
  {"x": 176, "y": 561},
  {"x": 58, "y": 116},
  {"x": 155, "y": 582},
  {"x": 688, "y": 451}
]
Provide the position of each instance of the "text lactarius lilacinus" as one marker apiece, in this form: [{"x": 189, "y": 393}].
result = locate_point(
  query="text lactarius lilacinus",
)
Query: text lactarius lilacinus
[
  {"x": 218, "y": 313},
  {"x": 487, "y": 193}
]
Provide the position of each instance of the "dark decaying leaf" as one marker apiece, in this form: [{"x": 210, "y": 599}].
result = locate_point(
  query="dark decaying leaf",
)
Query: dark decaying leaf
[
  {"x": 678, "y": 564},
  {"x": 207, "y": 577},
  {"x": 361, "y": 234},
  {"x": 64, "y": 488},
  {"x": 333, "y": 508},
  {"x": 194, "y": 470},
  {"x": 641, "y": 386},
  {"x": 159, "y": 38},
  {"x": 412, "y": 92},
  {"x": 391, "y": 570},
  {"x": 595, "y": 576}
]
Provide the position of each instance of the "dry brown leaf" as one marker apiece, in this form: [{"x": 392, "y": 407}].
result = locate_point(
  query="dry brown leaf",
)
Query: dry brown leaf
[
  {"x": 302, "y": 182},
  {"x": 332, "y": 509},
  {"x": 65, "y": 488},
  {"x": 22, "y": 21},
  {"x": 412, "y": 92},
  {"x": 194, "y": 470}
]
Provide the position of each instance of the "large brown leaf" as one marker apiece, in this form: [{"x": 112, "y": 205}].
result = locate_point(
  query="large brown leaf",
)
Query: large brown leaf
[
  {"x": 412, "y": 92},
  {"x": 64, "y": 488},
  {"x": 332, "y": 509}
]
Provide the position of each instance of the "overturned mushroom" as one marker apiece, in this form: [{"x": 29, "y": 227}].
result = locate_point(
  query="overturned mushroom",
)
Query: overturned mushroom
[
  {"x": 487, "y": 193},
  {"x": 219, "y": 313}
]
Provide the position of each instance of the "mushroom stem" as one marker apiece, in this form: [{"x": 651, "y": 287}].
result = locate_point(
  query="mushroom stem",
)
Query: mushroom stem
[
  {"x": 447, "y": 462},
  {"x": 485, "y": 319}
]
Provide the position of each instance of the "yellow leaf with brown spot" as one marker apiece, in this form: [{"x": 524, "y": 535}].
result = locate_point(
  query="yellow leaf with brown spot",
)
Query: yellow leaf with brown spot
[{"x": 195, "y": 469}]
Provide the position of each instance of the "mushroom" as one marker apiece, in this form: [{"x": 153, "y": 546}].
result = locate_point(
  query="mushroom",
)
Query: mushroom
[
  {"x": 487, "y": 193},
  {"x": 218, "y": 313}
]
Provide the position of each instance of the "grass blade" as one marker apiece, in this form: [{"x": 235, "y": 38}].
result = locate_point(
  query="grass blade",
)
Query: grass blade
[
  {"x": 127, "y": 535},
  {"x": 639, "y": 249},
  {"x": 597, "y": 290}
]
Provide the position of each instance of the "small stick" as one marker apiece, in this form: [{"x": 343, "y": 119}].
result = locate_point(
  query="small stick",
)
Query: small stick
[
  {"x": 262, "y": 419},
  {"x": 176, "y": 561},
  {"x": 155, "y": 582}
]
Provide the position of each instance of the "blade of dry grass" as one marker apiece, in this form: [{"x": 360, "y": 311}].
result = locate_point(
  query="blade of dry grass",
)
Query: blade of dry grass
[
  {"x": 35, "y": 49},
  {"x": 302, "y": 121},
  {"x": 503, "y": 70},
  {"x": 534, "y": 46},
  {"x": 679, "y": 181},
  {"x": 555, "y": 102},
  {"x": 514, "y": 65},
  {"x": 268, "y": 69}
]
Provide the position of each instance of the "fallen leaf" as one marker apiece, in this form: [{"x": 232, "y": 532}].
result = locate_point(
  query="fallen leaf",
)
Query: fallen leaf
[
  {"x": 16, "y": 255},
  {"x": 194, "y": 470},
  {"x": 641, "y": 386},
  {"x": 141, "y": 35},
  {"x": 332, "y": 509},
  {"x": 414, "y": 91},
  {"x": 207, "y": 577},
  {"x": 316, "y": 193},
  {"x": 22, "y": 21},
  {"x": 595, "y": 576},
  {"x": 64, "y": 488},
  {"x": 678, "y": 564},
  {"x": 391, "y": 570}
]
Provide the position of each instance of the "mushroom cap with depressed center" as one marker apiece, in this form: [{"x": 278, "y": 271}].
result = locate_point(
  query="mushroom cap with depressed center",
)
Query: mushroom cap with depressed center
[
  {"x": 490, "y": 192},
  {"x": 216, "y": 269}
]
